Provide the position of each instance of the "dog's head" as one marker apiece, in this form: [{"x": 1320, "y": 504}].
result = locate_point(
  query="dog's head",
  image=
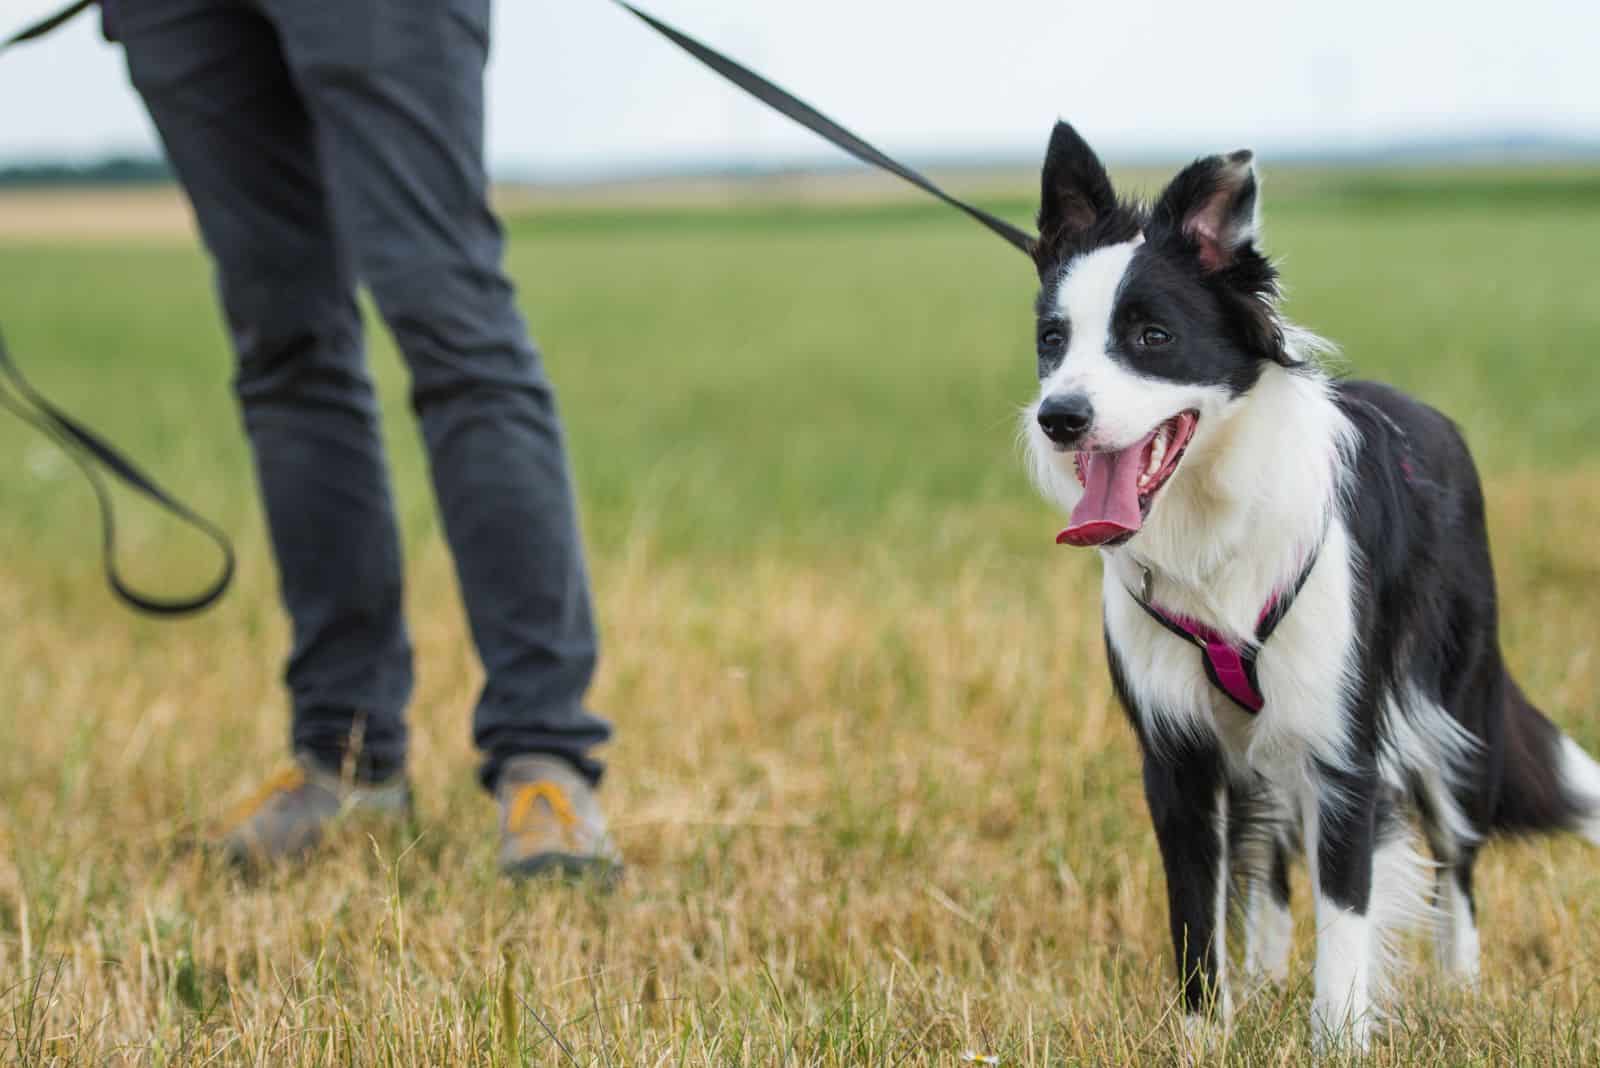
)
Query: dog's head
[{"x": 1153, "y": 322}]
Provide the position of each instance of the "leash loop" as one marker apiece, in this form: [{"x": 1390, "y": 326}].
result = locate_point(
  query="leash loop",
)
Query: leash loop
[{"x": 86, "y": 449}]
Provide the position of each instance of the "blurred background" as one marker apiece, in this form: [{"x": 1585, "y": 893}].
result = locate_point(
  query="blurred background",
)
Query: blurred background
[
  {"x": 866, "y": 742},
  {"x": 1430, "y": 174},
  {"x": 581, "y": 91}
]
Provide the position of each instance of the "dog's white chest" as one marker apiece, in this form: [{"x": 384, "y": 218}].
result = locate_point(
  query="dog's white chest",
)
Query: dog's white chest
[{"x": 1302, "y": 670}]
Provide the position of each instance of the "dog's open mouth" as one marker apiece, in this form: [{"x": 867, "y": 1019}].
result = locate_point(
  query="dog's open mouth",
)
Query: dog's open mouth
[{"x": 1120, "y": 486}]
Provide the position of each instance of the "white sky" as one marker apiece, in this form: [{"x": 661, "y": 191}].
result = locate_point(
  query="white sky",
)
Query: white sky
[{"x": 576, "y": 86}]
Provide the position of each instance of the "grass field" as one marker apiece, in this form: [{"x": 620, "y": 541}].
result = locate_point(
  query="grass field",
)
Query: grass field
[{"x": 878, "y": 803}]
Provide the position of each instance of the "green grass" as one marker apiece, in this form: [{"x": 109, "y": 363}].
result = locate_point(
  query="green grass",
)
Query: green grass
[
  {"x": 803, "y": 374},
  {"x": 876, "y": 796}
]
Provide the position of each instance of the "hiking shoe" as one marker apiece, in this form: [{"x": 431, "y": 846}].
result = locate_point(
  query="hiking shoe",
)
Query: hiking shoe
[
  {"x": 550, "y": 822},
  {"x": 290, "y": 812}
]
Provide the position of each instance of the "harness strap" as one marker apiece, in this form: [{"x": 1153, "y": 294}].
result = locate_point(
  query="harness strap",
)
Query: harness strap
[
  {"x": 1230, "y": 668},
  {"x": 1279, "y": 607}
]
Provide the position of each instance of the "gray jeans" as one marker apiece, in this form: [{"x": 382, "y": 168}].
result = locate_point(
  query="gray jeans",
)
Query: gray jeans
[{"x": 327, "y": 144}]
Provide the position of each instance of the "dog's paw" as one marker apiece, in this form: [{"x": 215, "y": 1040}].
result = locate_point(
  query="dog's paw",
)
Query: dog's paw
[
  {"x": 1339, "y": 1034},
  {"x": 1203, "y": 1038},
  {"x": 1261, "y": 982}
]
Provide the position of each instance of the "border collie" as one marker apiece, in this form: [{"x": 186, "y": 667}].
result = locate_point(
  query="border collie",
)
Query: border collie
[{"x": 1299, "y": 605}]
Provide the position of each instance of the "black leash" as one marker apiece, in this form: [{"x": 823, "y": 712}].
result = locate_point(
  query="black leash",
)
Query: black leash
[
  {"x": 86, "y": 449},
  {"x": 47, "y": 25},
  {"x": 812, "y": 119},
  {"x": 92, "y": 453},
  {"x": 763, "y": 90}
]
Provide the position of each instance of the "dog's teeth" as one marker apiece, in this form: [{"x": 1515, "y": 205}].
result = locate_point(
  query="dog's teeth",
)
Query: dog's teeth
[{"x": 1158, "y": 453}]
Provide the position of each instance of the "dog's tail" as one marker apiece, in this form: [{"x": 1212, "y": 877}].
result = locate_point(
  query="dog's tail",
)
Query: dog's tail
[{"x": 1549, "y": 783}]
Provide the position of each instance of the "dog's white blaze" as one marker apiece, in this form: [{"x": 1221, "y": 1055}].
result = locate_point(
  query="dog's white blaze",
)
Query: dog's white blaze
[
  {"x": 1127, "y": 406},
  {"x": 1455, "y": 933}
]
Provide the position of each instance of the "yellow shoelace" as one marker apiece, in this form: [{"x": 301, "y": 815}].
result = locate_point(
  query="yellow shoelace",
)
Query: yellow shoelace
[
  {"x": 528, "y": 794},
  {"x": 282, "y": 782}
]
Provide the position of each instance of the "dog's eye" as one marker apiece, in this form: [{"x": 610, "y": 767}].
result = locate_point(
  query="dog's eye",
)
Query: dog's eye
[
  {"x": 1052, "y": 345},
  {"x": 1153, "y": 337}
]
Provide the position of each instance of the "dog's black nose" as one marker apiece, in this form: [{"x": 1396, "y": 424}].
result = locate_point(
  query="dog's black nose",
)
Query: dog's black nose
[{"x": 1064, "y": 418}]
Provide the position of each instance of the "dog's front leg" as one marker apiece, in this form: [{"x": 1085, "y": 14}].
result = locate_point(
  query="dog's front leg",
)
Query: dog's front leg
[
  {"x": 1269, "y": 927},
  {"x": 1341, "y": 836},
  {"x": 1185, "y": 786}
]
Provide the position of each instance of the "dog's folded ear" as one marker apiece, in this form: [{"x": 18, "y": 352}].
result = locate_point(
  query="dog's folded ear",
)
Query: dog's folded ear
[
  {"x": 1213, "y": 204},
  {"x": 1076, "y": 195}
]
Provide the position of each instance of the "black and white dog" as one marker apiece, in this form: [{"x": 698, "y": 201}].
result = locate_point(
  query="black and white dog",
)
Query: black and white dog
[{"x": 1299, "y": 604}]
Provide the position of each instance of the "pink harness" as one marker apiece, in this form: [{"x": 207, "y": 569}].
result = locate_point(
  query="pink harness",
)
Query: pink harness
[{"x": 1230, "y": 668}]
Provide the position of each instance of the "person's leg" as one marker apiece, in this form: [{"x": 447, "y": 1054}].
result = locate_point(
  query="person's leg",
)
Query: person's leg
[
  {"x": 213, "y": 77},
  {"x": 396, "y": 94}
]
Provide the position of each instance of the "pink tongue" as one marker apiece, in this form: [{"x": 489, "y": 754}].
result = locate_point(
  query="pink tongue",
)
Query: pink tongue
[{"x": 1110, "y": 505}]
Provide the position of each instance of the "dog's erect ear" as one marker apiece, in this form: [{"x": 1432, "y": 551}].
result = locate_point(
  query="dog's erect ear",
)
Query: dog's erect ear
[
  {"x": 1213, "y": 203},
  {"x": 1076, "y": 194},
  {"x": 1211, "y": 210}
]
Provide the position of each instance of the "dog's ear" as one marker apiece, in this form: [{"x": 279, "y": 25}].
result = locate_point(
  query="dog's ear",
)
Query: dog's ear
[
  {"x": 1076, "y": 194},
  {"x": 1211, "y": 211},
  {"x": 1213, "y": 204}
]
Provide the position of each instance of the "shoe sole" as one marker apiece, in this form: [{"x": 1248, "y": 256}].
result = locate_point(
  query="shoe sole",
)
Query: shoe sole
[
  {"x": 255, "y": 859},
  {"x": 567, "y": 866}
]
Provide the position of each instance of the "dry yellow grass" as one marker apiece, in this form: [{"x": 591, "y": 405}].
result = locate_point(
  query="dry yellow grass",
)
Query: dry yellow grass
[
  {"x": 869, "y": 819},
  {"x": 100, "y": 215}
]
